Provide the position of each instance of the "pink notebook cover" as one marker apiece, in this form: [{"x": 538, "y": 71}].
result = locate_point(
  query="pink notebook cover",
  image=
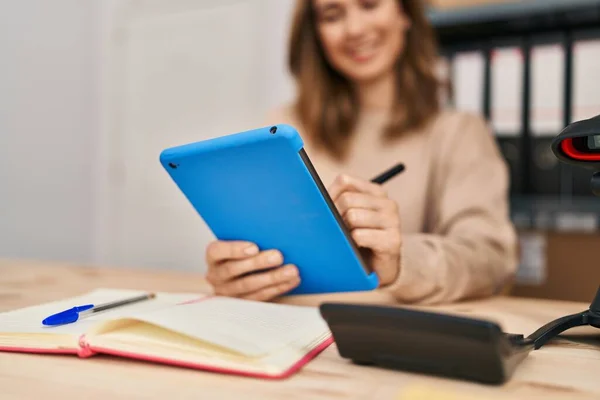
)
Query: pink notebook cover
[{"x": 85, "y": 351}]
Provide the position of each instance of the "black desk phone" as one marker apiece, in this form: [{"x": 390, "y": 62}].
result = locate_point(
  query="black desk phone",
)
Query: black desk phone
[{"x": 439, "y": 344}]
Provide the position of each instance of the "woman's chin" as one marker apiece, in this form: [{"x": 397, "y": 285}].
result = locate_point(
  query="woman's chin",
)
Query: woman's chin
[
  {"x": 366, "y": 75},
  {"x": 366, "y": 70}
]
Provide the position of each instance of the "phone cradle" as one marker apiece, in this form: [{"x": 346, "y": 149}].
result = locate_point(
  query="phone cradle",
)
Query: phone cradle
[{"x": 554, "y": 328}]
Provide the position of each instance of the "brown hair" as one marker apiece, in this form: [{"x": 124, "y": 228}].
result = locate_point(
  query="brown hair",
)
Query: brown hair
[{"x": 326, "y": 104}]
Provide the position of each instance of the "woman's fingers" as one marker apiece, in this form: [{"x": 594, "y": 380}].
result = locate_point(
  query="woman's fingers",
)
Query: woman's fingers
[
  {"x": 346, "y": 183},
  {"x": 360, "y": 210},
  {"x": 348, "y": 200},
  {"x": 356, "y": 218},
  {"x": 238, "y": 269},
  {"x": 382, "y": 241},
  {"x": 271, "y": 292},
  {"x": 258, "y": 281},
  {"x": 220, "y": 250},
  {"x": 351, "y": 200},
  {"x": 232, "y": 269},
  {"x": 384, "y": 255}
]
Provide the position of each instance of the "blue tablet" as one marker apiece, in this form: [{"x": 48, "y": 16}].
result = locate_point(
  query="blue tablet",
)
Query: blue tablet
[{"x": 260, "y": 186}]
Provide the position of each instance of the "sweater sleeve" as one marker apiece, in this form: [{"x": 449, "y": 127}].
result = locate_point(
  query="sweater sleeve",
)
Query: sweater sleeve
[{"x": 469, "y": 249}]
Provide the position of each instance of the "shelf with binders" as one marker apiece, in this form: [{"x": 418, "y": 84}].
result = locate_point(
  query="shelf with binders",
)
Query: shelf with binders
[
  {"x": 529, "y": 86},
  {"x": 531, "y": 68}
]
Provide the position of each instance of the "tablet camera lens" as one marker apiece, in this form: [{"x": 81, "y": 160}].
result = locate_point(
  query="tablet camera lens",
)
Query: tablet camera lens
[
  {"x": 172, "y": 165},
  {"x": 273, "y": 129}
]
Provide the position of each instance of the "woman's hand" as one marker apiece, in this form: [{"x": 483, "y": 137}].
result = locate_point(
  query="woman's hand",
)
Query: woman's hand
[
  {"x": 374, "y": 223},
  {"x": 238, "y": 269}
]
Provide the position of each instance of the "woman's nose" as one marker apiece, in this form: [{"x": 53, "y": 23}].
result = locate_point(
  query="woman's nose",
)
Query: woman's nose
[{"x": 355, "y": 23}]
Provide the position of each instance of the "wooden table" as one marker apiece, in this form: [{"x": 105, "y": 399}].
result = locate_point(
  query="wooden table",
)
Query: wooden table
[{"x": 565, "y": 369}]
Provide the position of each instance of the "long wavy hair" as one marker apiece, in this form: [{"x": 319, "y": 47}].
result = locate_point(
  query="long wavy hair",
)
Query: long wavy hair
[{"x": 326, "y": 104}]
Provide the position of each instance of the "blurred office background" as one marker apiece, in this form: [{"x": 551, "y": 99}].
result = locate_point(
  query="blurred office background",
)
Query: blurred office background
[{"x": 92, "y": 91}]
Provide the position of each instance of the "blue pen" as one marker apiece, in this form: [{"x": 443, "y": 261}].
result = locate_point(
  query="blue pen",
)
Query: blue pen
[{"x": 73, "y": 314}]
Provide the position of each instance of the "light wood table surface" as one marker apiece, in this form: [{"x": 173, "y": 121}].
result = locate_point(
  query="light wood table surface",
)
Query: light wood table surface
[{"x": 566, "y": 369}]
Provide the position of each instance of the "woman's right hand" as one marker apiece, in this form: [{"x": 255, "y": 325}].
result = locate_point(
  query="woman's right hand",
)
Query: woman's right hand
[{"x": 239, "y": 269}]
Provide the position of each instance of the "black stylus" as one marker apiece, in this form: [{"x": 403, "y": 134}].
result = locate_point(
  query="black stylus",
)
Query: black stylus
[{"x": 389, "y": 174}]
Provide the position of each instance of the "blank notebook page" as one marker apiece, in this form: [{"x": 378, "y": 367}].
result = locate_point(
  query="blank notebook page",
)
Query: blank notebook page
[
  {"x": 248, "y": 327},
  {"x": 29, "y": 319}
]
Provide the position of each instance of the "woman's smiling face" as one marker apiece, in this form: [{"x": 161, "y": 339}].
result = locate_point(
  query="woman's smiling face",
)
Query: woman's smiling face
[{"x": 362, "y": 39}]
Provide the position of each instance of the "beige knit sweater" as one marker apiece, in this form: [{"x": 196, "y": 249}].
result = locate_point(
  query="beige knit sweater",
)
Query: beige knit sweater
[{"x": 458, "y": 241}]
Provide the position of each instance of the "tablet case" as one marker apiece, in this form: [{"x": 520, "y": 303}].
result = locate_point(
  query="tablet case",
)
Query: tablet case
[{"x": 260, "y": 186}]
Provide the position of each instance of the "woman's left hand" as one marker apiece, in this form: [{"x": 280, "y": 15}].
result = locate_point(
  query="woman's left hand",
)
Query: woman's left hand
[{"x": 374, "y": 223}]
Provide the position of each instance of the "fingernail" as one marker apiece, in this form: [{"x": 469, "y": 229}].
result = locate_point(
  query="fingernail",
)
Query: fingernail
[
  {"x": 251, "y": 250},
  {"x": 290, "y": 272},
  {"x": 274, "y": 258}
]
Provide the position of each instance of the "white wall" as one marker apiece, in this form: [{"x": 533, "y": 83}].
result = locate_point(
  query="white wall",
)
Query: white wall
[
  {"x": 177, "y": 72},
  {"x": 47, "y": 102},
  {"x": 91, "y": 91}
]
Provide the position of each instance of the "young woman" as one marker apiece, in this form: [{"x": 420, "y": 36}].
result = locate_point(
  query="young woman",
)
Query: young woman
[{"x": 368, "y": 97}]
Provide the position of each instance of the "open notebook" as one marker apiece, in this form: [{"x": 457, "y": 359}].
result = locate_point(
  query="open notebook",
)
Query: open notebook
[{"x": 205, "y": 332}]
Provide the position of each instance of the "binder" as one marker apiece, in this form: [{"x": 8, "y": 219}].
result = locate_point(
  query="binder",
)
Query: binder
[
  {"x": 547, "y": 89},
  {"x": 506, "y": 107},
  {"x": 547, "y": 95},
  {"x": 468, "y": 81},
  {"x": 586, "y": 82},
  {"x": 506, "y": 98}
]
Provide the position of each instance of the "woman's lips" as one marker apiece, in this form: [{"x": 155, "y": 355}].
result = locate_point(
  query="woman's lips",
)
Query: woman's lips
[{"x": 363, "y": 54}]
